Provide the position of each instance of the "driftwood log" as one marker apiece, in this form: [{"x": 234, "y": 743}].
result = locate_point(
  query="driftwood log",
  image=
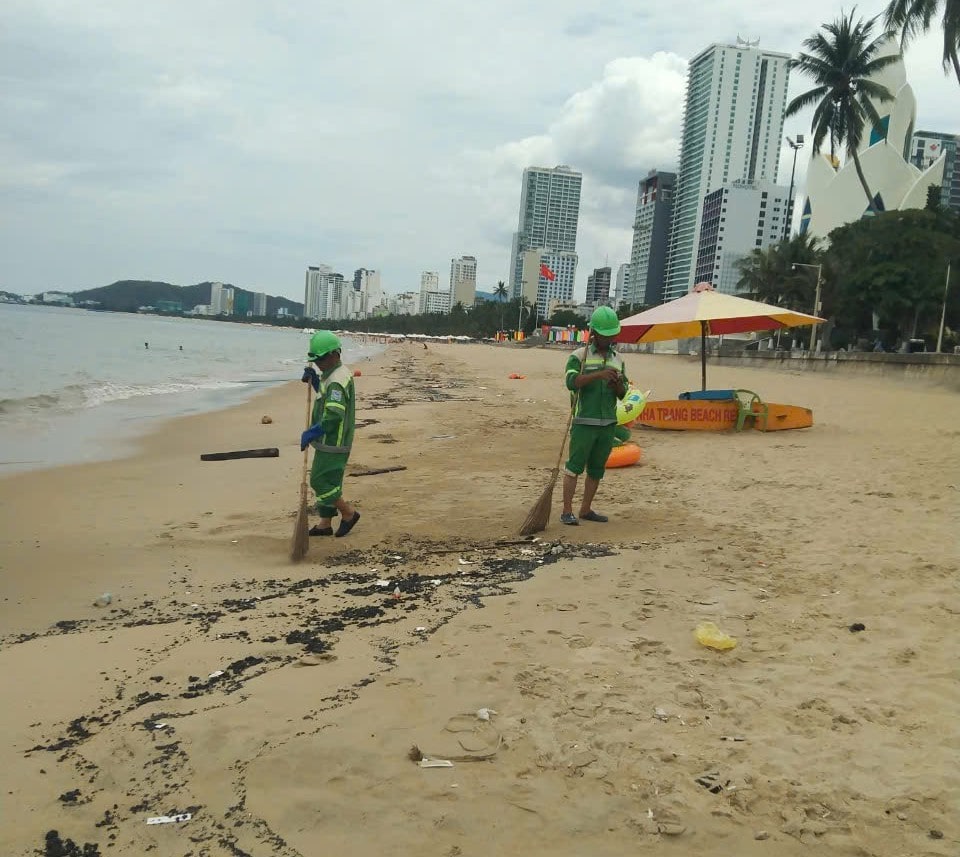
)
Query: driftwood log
[
  {"x": 271, "y": 452},
  {"x": 378, "y": 471}
]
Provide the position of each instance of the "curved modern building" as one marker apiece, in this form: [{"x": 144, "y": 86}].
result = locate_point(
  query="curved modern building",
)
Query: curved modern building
[{"x": 834, "y": 193}]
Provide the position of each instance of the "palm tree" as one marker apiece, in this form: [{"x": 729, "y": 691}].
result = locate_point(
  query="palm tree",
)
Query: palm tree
[
  {"x": 841, "y": 60},
  {"x": 910, "y": 18},
  {"x": 500, "y": 293}
]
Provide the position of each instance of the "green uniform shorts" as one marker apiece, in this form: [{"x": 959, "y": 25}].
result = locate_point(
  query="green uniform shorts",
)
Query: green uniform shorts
[
  {"x": 326, "y": 479},
  {"x": 589, "y": 449}
]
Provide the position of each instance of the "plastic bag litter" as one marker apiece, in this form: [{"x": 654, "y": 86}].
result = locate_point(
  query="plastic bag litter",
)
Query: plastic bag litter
[
  {"x": 709, "y": 635},
  {"x": 170, "y": 819}
]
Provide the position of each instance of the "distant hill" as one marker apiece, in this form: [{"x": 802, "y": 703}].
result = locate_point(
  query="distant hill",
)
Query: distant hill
[{"x": 130, "y": 295}]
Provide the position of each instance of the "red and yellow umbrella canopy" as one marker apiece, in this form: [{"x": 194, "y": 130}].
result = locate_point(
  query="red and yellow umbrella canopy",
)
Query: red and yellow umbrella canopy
[{"x": 710, "y": 313}]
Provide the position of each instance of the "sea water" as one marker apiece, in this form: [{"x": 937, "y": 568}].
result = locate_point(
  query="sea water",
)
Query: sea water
[{"x": 78, "y": 386}]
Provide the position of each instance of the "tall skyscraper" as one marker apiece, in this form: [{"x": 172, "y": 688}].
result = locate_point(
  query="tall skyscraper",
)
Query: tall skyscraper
[
  {"x": 598, "y": 287},
  {"x": 315, "y": 291},
  {"x": 622, "y": 285},
  {"x": 463, "y": 281},
  {"x": 925, "y": 148},
  {"x": 549, "y": 216},
  {"x": 259, "y": 304},
  {"x": 367, "y": 288},
  {"x": 732, "y": 130},
  {"x": 651, "y": 236}
]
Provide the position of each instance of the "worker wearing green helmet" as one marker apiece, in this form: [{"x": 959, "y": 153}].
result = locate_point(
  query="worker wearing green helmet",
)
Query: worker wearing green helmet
[
  {"x": 596, "y": 379},
  {"x": 331, "y": 432}
]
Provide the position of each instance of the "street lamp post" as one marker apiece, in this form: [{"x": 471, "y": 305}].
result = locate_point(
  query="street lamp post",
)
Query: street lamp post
[
  {"x": 796, "y": 146},
  {"x": 816, "y": 299}
]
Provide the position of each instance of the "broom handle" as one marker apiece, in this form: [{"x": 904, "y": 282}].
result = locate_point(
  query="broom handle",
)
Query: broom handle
[
  {"x": 306, "y": 452},
  {"x": 573, "y": 407}
]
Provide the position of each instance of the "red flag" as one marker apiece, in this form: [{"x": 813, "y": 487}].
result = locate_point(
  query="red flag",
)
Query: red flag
[{"x": 546, "y": 273}]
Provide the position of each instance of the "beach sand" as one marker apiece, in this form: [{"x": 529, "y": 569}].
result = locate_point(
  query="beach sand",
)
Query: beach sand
[{"x": 615, "y": 732}]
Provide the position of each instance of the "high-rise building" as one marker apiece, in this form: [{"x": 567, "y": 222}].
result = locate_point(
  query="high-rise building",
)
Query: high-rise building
[
  {"x": 366, "y": 283},
  {"x": 598, "y": 287},
  {"x": 622, "y": 285},
  {"x": 429, "y": 281},
  {"x": 259, "y": 304},
  {"x": 651, "y": 236},
  {"x": 925, "y": 148},
  {"x": 547, "y": 275},
  {"x": 732, "y": 130},
  {"x": 315, "y": 291},
  {"x": 221, "y": 299},
  {"x": 463, "y": 281},
  {"x": 737, "y": 219},
  {"x": 549, "y": 216}
]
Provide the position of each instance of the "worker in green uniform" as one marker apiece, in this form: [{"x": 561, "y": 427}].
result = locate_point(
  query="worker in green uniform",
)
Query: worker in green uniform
[
  {"x": 331, "y": 435},
  {"x": 596, "y": 379}
]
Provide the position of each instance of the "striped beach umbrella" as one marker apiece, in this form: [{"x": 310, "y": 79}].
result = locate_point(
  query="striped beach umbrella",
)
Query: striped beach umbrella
[{"x": 705, "y": 312}]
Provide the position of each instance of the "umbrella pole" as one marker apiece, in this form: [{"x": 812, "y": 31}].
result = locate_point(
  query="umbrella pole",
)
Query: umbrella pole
[{"x": 703, "y": 355}]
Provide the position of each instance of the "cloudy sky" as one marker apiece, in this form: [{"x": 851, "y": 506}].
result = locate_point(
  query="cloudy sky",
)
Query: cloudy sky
[{"x": 241, "y": 140}]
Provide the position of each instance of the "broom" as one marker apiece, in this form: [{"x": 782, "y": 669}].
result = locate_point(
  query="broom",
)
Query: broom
[
  {"x": 300, "y": 543},
  {"x": 539, "y": 515}
]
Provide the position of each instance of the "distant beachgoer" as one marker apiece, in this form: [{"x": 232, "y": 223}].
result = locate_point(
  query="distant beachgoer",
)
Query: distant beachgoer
[
  {"x": 146, "y": 344},
  {"x": 331, "y": 434},
  {"x": 181, "y": 348},
  {"x": 596, "y": 379}
]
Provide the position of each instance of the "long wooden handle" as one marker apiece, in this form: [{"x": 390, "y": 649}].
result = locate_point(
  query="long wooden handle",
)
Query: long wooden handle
[{"x": 306, "y": 452}]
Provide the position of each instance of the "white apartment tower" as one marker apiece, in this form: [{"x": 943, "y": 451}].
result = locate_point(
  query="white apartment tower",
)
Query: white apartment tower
[
  {"x": 315, "y": 291},
  {"x": 549, "y": 216},
  {"x": 737, "y": 219},
  {"x": 463, "y": 281},
  {"x": 732, "y": 131}
]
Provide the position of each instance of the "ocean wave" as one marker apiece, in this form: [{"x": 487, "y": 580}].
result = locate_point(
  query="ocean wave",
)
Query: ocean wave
[{"x": 78, "y": 396}]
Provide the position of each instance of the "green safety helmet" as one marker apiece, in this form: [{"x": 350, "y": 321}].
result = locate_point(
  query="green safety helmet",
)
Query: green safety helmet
[
  {"x": 604, "y": 321},
  {"x": 322, "y": 343}
]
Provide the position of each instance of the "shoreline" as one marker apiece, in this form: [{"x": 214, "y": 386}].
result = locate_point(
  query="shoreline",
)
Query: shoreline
[
  {"x": 609, "y": 714},
  {"x": 115, "y": 429}
]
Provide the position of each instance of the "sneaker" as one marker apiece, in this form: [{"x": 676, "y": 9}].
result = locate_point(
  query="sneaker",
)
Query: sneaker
[{"x": 570, "y": 519}]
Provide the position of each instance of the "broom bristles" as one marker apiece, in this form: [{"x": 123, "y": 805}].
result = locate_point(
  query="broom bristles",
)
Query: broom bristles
[
  {"x": 301, "y": 532},
  {"x": 539, "y": 516}
]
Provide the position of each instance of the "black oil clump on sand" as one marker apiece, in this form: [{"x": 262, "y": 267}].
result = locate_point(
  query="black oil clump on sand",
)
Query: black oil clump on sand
[{"x": 54, "y": 846}]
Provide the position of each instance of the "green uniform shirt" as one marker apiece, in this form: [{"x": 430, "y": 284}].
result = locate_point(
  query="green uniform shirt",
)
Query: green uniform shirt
[
  {"x": 595, "y": 404},
  {"x": 335, "y": 410}
]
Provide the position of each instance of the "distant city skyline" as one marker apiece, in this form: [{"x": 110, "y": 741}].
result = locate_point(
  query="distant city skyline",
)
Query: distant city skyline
[{"x": 199, "y": 172}]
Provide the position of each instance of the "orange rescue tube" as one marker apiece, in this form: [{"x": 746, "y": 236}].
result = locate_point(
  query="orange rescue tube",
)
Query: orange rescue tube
[{"x": 624, "y": 455}]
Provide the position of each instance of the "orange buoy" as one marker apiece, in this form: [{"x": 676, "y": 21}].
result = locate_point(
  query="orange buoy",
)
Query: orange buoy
[
  {"x": 624, "y": 455},
  {"x": 357, "y": 373}
]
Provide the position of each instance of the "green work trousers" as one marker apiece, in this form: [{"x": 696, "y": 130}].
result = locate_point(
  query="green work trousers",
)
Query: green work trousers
[
  {"x": 326, "y": 479},
  {"x": 589, "y": 450}
]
